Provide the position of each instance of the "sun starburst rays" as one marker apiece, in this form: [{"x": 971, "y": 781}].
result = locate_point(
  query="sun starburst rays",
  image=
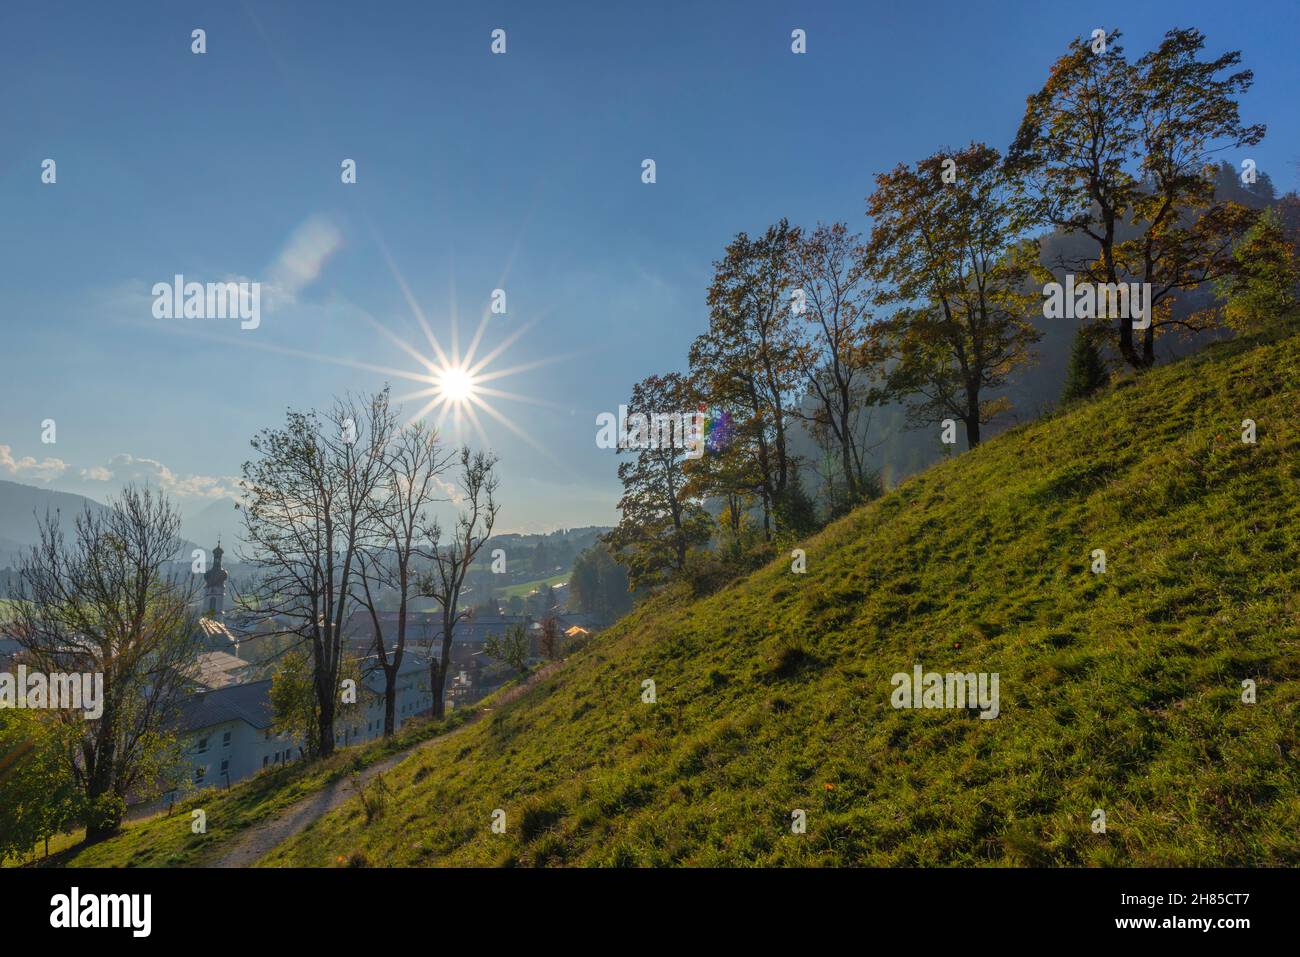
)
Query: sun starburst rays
[{"x": 451, "y": 389}]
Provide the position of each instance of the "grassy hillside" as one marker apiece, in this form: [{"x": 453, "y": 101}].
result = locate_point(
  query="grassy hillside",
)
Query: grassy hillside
[{"x": 1119, "y": 691}]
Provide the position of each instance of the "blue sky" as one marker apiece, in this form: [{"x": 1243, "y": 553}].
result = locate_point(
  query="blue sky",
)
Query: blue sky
[{"x": 475, "y": 172}]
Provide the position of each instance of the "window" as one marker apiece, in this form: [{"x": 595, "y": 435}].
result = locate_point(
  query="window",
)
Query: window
[
  {"x": 265, "y": 758},
  {"x": 199, "y": 774},
  {"x": 202, "y": 746},
  {"x": 225, "y": 740},
  {"x": 225, "y": 765}
]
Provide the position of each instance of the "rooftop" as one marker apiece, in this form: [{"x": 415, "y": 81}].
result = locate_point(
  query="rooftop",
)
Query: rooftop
[
  {"x": 217, "y": 669},
  {"x": 247, "y": 702}
]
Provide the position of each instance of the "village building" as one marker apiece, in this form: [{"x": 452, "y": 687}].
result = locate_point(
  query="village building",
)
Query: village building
[{"x": 228, "y": 732}]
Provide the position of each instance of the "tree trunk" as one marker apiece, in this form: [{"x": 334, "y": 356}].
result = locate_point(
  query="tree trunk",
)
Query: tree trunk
[
  {"x": 435, "y": 682},
  {"x": 971, "y": 416},
  {"x": 850, "y": 481},
  {"x": 325, "y": 729},
  {"x": 390, "y": 673},
  {"x": 1126, "y": 348},
  {"x": 390, "y": 700},
  {"x": 444, "y": 665},
  {"x": 1126, "y": 343},
  {"x": 1149, "y": 346},
  {"x": 99, "y": 784}
]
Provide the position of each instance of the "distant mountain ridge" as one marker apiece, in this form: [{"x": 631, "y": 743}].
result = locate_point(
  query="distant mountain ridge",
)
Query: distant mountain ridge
[
  {"x": 217, "y": 520},
  {"x": 23, "y": 508}
]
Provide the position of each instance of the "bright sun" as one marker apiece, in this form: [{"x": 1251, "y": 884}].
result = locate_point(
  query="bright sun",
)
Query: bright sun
[{"x": 455, "y": 384}]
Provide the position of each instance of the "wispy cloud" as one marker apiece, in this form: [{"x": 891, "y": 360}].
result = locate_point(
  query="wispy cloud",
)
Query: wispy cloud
[
  {"x": 303, "y": 256},
  {"x": 130, "y": 468}
]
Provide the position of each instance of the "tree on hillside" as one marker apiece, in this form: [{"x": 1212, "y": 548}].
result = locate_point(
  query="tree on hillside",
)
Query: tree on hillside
[
  {"x": 746, "y": 363},
  {"x": 1263, "y": 285},
  {"x": 295, "y": 707},
  {"x": 1107, "y": 146},
  {"x": 510, "y": 647},
  {"x": 729, "y": 471},
  {"x": 948, "y": 250},
  {"x": 308, "y": 518},
  {"x": 451, "y": 559},
  {"x": 599, "y": 584},
  {"x": 101, "y": 604},
  {"x": 413, "y": 465},
  {"x": 584, "y": 582},
  {"x": 1072, "y": 155},
  {"x": 658, "y": 521},
  {"x": 837, "y": 355},
  {"x": 41, "y": 798},
  {"x": 1086, "y": 372},
  {"x": 1186, "y": 114}
]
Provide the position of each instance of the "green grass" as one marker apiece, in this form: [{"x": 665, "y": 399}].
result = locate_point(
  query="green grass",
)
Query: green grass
[{"x": 1119, "y": 691}]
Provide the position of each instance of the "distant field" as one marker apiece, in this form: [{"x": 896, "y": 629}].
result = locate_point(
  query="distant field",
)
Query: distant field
[{"x": 524, "y": 588}]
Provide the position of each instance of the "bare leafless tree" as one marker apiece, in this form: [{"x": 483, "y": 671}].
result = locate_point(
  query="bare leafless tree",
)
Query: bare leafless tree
[
  {"x": 102, "y": 603},
  {"x": 451, "y": 560},
  {"x": 413, "y": 465},
  {"x": 307, "y": 514}
]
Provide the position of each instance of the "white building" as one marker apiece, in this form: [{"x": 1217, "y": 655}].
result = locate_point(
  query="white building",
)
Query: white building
[
  {"x": 412, "y": 694},
  {"x": 229, "y": 736}
]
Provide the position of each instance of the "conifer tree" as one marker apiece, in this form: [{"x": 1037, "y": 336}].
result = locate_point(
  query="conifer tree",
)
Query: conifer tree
[{"x": 1086, "y": 372}]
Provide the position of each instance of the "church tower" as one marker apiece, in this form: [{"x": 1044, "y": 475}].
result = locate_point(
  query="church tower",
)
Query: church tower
[{"x": 215, "y": 592}]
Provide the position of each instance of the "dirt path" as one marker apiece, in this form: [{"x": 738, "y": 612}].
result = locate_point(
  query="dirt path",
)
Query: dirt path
[{"x": 256, "y": 843}]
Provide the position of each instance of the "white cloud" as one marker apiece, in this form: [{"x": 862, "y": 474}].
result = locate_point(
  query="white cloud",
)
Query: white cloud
[
  {"x": 96, "y": 473},
  {"x": 131, "y": 468},
  {"x": 29, "y": 468},
  {"x": 298, "y": 264}
]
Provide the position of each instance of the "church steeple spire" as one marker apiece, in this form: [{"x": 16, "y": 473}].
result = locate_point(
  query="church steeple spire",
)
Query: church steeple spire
[{"x": 215, "y": 577}]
